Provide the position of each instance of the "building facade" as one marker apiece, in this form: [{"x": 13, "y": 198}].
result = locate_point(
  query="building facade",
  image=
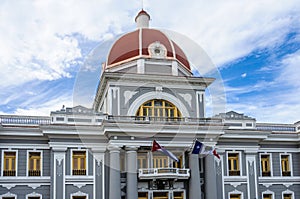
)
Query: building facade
[{"x": 147, "y": 92}]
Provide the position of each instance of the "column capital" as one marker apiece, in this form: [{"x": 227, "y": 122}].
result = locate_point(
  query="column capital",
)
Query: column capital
[
  {"x": 114, "y": 148},
  {"x": 131, "y": 148}
]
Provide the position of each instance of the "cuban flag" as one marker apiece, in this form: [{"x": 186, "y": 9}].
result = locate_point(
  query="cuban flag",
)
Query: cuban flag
[
  {"x": 157, "y": 147},
  {"x": 197, "y": 147}
]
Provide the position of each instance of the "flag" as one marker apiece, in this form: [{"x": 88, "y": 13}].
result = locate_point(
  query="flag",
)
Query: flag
[
  {"x": 206, "y": 150},
  {"x": 214, "y": 152},
  {"x": 197, "y": 147},
  {"x": 157, "y": 147}
]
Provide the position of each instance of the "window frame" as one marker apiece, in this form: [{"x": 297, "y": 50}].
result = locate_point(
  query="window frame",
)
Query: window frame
[
  {"x": 268, "y": 192},
  {"x": 271, "y": 164},
  {"x": 79, "y": 193},
  {"x": 239, "y": 162},
  {"x": 8, "y": 194},
  {"x": 236, "y": 192},
  {"x": 2, "y": 162},
  {"x": 34, "y": 195},
  {"x": 86, "y": 161},
  {"x": 27, "y": 162},
  {"x": 288, "y": 192},
  {"x": 290, "y": 163}
]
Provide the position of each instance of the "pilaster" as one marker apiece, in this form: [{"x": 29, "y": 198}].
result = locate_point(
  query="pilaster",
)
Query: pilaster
[{"x": 194, "y": 184}]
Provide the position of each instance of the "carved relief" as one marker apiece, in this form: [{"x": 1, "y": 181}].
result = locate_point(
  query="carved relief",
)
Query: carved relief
[
  {"x": 187, "y": 98},
  {"x": 128, "y": 95}
]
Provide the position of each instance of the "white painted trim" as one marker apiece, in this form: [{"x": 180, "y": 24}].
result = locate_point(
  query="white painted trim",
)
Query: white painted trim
[
  {"x": 23, "y": 146},
  {"x": 267, "y": 192},
  {"x": 288, "y": 192},
  {"x": 153, "y": 95},
  {"x": 8, "y": 194},
  {"x": 56, "y": 157},
  {"x": 33, "y": 194},
  {"x": 290, "y": 163},
  {"x": 27, "y": 162},
  {"x": 236, "y": 192},
  {"x": 2, "y": 161},
  {"x": 251, "y": 159},
  {"x": 199, "y": 95},
  {"x": 271, "y": 163},
  {"x": 79, "y": 193},
  {"x": 222, "y": 167},
  {"x": 86, "y": 161},
  {"x": 240, "y": 163}
]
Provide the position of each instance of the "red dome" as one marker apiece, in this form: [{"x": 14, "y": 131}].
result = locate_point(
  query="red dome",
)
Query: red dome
[{"x": 136, "y": 44}]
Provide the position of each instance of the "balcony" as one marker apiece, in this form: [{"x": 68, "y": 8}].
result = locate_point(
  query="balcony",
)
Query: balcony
[
  {"x": 286, "y": 173},
  {"x": 164, "y": 173},
  {"x": 234, "y": 173},
  {"x": 266, "y": 173},
  {"x": 34, "y": 173},
  {"x": 9, "y": 173},
  {"x": 79, "y": 172}
]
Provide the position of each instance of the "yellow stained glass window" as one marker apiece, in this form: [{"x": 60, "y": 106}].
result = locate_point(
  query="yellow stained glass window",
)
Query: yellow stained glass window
[
  {"x": 285, "y": 165},
  {"x": 9, "y": 164},
  {"x": 158, "y": 108},
  {"x": 79, "y": 162},
  {"x": 233, "y": 164},
  {"x": 265, "y": 165},
  {"x": 34, "y": 164}
]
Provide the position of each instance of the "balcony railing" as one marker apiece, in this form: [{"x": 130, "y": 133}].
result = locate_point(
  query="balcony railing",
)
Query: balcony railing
[
  {"x": 169, "y": 173},
  {"x": 79, "y": 172},
  {"x": 286, "y": 173},
  {"x": 24, "y": 120},
  {"x": 146, "y": 119},
  {"x": 266, "y": 173},
  {"x": 9, "y": 173},
  {"x": 234, "y": 173},
  {"x": 34, "y": 173}
]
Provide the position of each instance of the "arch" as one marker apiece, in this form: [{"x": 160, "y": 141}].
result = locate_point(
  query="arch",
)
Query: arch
[
  {"x": 157, "y": 95},
  {"x": 288, "y": 192},
  {"x": 267, "y": 192},
  {"x": 234, "y": 192},
  {"x": 8, "y": 194},
  {"x": 79, "y": 193}
]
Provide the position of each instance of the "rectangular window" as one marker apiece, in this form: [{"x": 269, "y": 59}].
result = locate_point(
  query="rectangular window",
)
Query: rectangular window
[
  {"x": 267, "y": 196},
  {"x": 160, "y": 161},
  {"x": 34, "y": 197},
  {"x": 179, "y": 164},
  {"x": 142, "y": 161},
  {"x": 34, "y": 164},
  {"x": 143, "y": 195},
  {"x": 79, "y": 162},
  {"x": 178, "y": 195},
  {"x": 8, "y": 197},
  {"x": 265, "y": 165},
  {"x": 285, "y": 165},
  {"x": 160, "y": 195},
  {"x": 287, "y": 196},
  {"x": 233, "y": 164},
  {"x": 235, "y": 196},
  {"x": 79, "y": 197},
  {"x": 9, "y": 167}
]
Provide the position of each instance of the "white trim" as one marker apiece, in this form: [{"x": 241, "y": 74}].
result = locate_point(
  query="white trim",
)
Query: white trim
[
  {"x": 86, "y": 161},
  {"x": 271, "y": 164},
  {"x": 236, "y": 192},
  {"x": 288, "y": 192},
  {"x": 33, "y": 194},
  {"x": 2, "y": 161},
  {"x": 27, "y": 162},
  {"x": 200, "y": 98},
  {"x": 79, "y": 193},
  {"x": 8, "y": 194},
  {"x": 240, "y": 163},
  {"x": 153, "y": 95},
  {"x": 59, "y": 156},
  {"x": 250, "y": 159},
  {"x": 290, "y": 163},
  {"x": 267, "y": 192}
]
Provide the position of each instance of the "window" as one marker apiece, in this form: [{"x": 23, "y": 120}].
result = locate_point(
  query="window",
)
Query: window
[
  {"x": 265, "y": 165},
  {"x": 285, "y": 165},
  {"x": 9, "y": 167},
  {"x": 180, "y": 163},
  {"x": 79, "y": 163},
  {"x": 158, "y": 108},
  {"x": 233, "y": 164},
  {"x": 34, "y": 164},
  {"x": 178, "y": 195},
  {"x": 160, "y": 161},
  {"x": 79, "y": 197},
  {"x": 235, "y": 196},
  {"x": 287, "y": 196},
  {"x": 160, "y": 195},
  {"x": 8, "y": 197},
  {"x": 267, "y": 196},
  {"x": 33, "y": 197},
  {"x": 143, "y": 195},
  {"x": 142, "y": 161}
]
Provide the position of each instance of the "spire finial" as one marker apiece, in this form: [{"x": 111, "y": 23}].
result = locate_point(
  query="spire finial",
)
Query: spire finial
[{"x": 142, "y": 19}]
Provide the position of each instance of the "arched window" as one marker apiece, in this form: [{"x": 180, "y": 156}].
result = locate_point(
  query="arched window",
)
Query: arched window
[{"x": 158, "y": 108}]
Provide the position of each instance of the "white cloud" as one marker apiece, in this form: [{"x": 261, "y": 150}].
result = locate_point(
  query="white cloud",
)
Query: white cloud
[{"x": 244, "y": 75}]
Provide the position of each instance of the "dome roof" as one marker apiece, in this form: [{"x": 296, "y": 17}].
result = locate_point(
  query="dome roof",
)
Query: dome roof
[{"x": 147, "y": 43}]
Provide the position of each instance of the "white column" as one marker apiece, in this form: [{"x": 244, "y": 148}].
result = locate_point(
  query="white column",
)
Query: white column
[
  {"x": 131, "y": 181},
  {"x": 114, "y": 173},
  {"x": 194, "y": 184}
]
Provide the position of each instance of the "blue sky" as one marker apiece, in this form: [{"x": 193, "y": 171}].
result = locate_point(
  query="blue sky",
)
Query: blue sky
[{"x": 48, "y": 48}]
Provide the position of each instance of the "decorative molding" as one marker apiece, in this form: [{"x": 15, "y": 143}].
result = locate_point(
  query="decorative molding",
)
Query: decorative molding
[
  {"x": 287, "y": 185},
  {"x": 79, "y": 185},
  {"x": 59, "y": 157},
  {"x": 158, "y": 91},
  {"x": 8, "y": 194},
  {"x": 34, "y": 186},
  {"x": 128, "y": 95},
  {"x": 267, "y": 185},
  {"x": 8, "y": 186},
  {"x": 235, "y": 184},
  {"x": 187, "y": 97}
]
